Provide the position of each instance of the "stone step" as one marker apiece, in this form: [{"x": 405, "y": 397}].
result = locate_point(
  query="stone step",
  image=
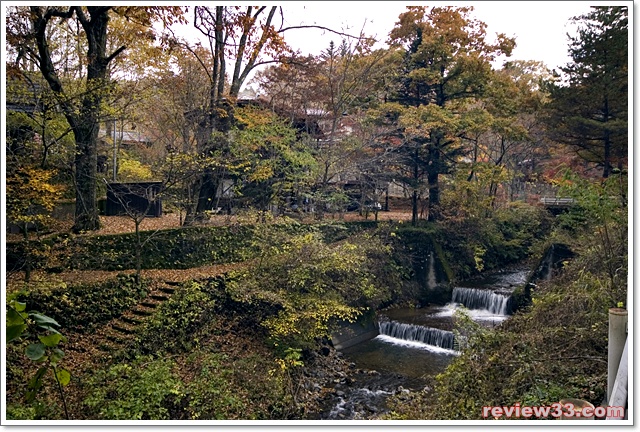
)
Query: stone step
[
  {"x": 131, "y": 320},
  {"x": 122, "y": 328},
  {"x": 149, "y": 304},
  {"x": 173, "y": 283},
  {"x": 168, "y": 290},
  {"x": 113, "y": 338},
  {"x": 142, "y": 312},
  {"x": 159, "y": 297}
]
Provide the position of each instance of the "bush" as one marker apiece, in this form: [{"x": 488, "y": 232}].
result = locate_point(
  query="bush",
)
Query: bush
[
  {"x": 243, "y": 388},
  {"x": 203, "y": 386},
  {"x": 302, "y": 285},
  {"x": 146, "y": 389},
  {"x": 36, "y": 410},
  {"x": 211, "y": 396},
  {"x": 179, "y": 248},
  {"x": 82, "y": 307},
  {"x": 555, "y": 349},
  {"x": 174, "y": 324}
]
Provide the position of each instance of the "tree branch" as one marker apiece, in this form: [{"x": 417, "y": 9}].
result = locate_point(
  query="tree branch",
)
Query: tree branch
[
  {"x": 39, "y": 23},
  {"x": 58, "y": 13},
  {"x": 81, "y": 16},
  {"x": 188, "y": 48},
  {"x": 235, "y": 87},
  {"x": 303, "y": 26},
  {"x": 115, "y": 54}
]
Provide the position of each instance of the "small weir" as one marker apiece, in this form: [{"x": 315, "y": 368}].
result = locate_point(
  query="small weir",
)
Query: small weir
[
  {"x": 416, "y": 333},
  {"x": 483, "y": 299},
  {"x": 414, "y": 344}
]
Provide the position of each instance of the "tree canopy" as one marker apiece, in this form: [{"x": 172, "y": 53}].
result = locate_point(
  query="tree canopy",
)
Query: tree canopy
[
  {"x": 446, "y": 67},
  {"x": 589, "y": 109}
]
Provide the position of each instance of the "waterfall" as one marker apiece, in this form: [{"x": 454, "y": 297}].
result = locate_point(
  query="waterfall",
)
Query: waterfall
[
  {"x": 473, "y": 298},
  {"x": 549, "y": 262},
  {"x": 416, "y": 333},
  {"x": 431, "y": 275}
]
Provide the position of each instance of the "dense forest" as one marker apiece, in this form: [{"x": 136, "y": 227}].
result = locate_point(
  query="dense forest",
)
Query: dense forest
[{"x": 189, "y": 223}]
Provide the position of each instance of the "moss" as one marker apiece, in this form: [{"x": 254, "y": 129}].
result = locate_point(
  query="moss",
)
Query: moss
[
  {"x": 177, "y": 248},
  {"x": 419, "y": 243},
  {"x": 82, "y": 307},
  {"x": 443, "y": 261}
]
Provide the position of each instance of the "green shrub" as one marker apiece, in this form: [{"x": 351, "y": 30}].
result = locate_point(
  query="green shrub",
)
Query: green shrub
[
  {"x": 36, "y": 410},
  {"x": 203, "y": 386},
  {"x": 179, "y": 248},
  {"x": 21, "y": 412},
  {"x": 146, "y": 389},
  {"x": 211, "y": 395},
  {"x": 174, "y": 325},
  {"x": 303, "y": 284},
  {"x": 82, "y": 307},
  {"x": 246, "y": 387}
]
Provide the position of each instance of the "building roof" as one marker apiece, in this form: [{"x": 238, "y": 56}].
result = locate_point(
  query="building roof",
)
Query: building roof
[
  {"x": 126, "y": 137},
  {"x": 23, "y": 93}
]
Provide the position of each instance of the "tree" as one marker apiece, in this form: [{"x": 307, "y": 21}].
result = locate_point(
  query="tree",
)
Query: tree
[
  {"x": 173, "y": 99},
  {"x": 509, "y": 137},
  {"x": 138, "y": 199},
  {"x": 268, "y": 160},
  {"x": 135, "y": 201},
  {"x": 36, "y": 132},
  {"x": 589, "y": 107},
  {"x": 241, "y": 35},
  {"x": 447, "y": 64},
  {"x": 29, "y": 33},
  {"x": 348, "y": 79},
  {"x": 326, "y": 97},
  {"x": 30, "y": 199},
  {"x": 410, "y": 130},
  {"x": 244, "y": 38}
]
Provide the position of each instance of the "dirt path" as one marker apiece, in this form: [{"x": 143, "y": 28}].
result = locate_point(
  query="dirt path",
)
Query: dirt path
[
  {"x": 15, "y": 281},
  {"x": 122, "y": 224}
]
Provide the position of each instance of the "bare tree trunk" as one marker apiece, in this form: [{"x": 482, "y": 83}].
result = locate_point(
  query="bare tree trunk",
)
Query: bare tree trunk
[
  {"x": 86, "y": 213},
  {"x": 82, "y": 119},
  {"x": 137, "y": 222},
  {"x": 27, "y": 252},
  {"x": 433, "y": 183}
]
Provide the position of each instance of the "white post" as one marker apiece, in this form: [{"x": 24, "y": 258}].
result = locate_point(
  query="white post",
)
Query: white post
[
  {"x": 617, "y": 339},
  {"x": 620, "y": 389}
]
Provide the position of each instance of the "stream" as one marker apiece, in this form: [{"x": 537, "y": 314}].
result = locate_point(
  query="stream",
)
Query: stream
[{"x": 415, "y": 344}]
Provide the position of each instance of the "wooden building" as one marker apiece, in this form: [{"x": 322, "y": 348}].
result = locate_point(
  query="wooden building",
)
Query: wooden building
[{"x": 134, "y": 198}]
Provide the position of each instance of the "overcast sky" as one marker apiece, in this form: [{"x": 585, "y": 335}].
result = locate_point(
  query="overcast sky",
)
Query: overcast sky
[{"x": 539, "y": 27}]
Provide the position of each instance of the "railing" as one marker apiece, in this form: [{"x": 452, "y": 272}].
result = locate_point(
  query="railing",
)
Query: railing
[{"x": 556, "y": 202}]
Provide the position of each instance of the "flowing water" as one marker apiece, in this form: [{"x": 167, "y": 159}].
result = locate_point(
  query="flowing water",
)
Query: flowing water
[{"x": 414, "y": 345}]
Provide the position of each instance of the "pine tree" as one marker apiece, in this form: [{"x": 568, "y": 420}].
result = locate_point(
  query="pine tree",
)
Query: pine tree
[
  {"x": 447, "y": 64},
  {"x": 589, "y": 108}
]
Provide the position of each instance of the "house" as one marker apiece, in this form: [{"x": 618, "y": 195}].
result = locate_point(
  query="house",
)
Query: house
[{"x": 131, "y": 136}]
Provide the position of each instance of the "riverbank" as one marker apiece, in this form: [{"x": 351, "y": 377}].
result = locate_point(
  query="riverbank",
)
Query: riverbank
[{"x": 252, "y": 322}]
